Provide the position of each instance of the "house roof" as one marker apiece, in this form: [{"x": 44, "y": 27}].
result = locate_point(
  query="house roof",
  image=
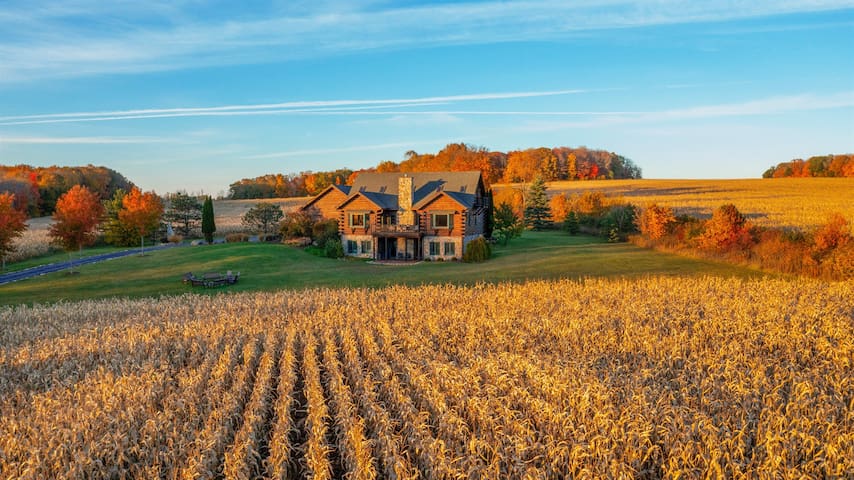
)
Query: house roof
[
  {"x": 464, "y": 199},
  {"x": 345, "y": 189},
  {"x": 381, "y": 188}
]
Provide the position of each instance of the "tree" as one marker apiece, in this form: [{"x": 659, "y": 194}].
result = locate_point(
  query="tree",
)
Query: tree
[
  {"x": 116, "y": 232},
  {"x": 208, "y": 224},
  {"x": 184, "y": 212},
  {"x": 570, "y": 223},
  {"x": 78, "y": 213},
  {"x": 656, "y": 221},
  {"x": 726, "y": 229},
  {"x": 141, "y": 213},
  {"x": 506, "y": 223},
  {"x": 263, "y": 217},
  {"x": 537, "y": 211},
  {"x": 301, "y": 223},
  {"x": 13, "y": 222},
  {"x": 489, "y": 225}
]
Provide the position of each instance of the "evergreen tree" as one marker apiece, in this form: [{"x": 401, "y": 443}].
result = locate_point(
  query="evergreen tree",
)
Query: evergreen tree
[
  {"x": 185, "y": 212},
  {"x": 570, "y": 223},
  {"x": 537, "y": 211},
  {"x": 208, "y": 225},
  {"x": 507, "y": 223}
]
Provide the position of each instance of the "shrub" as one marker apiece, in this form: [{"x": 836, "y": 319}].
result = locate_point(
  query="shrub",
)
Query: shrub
[
  {"x": 236, "y": 238},
  {"x": 655, "y": 222},
  {"x": 324, "y": 231},
  {"x": 570, "y": 223},
  {"x": 726, "y": 230},
  {"x": 333, "y": 248},
  {"x": 175, "y": 238},
  {"x": 478, "y": 250},
  {"x": 619, "y": 222},
  {"x": 298, "y": 224}
]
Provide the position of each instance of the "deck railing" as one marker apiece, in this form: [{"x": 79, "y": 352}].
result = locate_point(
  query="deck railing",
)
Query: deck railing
[{"x": 397, "y": 228}]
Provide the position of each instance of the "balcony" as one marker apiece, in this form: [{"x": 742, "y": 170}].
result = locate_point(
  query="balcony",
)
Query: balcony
[{"x": 396, "y": 230}]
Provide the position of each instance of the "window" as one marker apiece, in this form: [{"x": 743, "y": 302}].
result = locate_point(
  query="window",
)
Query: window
[
  {"x": 366, "y": 246},
  {"x": 450, "y": 248},
  {"x": 434, "y": 248},
  {"x": 360, "y": 219},
  {"x": 352, "y": 247},
  {"x": 443, "y": 220}
]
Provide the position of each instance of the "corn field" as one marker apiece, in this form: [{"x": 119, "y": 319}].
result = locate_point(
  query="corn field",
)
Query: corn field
[{"x": 657, "y": 378}]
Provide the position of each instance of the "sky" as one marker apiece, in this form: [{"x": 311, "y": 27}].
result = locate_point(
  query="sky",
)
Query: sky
[{"x": 194, "y": 95}]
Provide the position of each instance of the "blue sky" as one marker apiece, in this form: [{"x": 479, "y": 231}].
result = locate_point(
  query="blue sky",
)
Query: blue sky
[{"x": 189, "y": 94}]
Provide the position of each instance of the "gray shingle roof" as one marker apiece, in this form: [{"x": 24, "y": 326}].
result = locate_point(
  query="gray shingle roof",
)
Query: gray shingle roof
[{"x": 381, "y": 188}]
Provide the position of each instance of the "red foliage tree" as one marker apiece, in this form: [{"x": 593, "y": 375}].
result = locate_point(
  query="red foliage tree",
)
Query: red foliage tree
[
  {"x": 141, "y": 212},
  {"x": 78, "y": 213},
  {"x": 13, "y": 222}
]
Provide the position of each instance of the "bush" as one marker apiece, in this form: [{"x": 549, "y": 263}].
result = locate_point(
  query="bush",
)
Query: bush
[
  {"x": 236, "y": 237},
  {"x": 478, "y": 250},
  {"x": 298, "y": 224},
  {"x": 726, "y": 230},
  {"x": 324, "y": 231},
  {"x": 175, "y": 238},
  {"x": 656, "y": 221},
  {"x": 333, "y": 248}
]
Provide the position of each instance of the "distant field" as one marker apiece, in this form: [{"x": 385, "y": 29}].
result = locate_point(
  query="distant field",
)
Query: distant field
[
  {"x": 784, "y": 202},
  {"x": 228, "y": 214},
  {"x": 697, "y": 377}
]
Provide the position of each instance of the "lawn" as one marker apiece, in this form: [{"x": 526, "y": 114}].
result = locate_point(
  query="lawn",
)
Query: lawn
[{"x": 544, "y": 255}]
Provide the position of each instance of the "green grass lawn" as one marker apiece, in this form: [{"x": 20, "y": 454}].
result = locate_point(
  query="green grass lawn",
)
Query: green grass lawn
[{"x": 271, "y": 266}]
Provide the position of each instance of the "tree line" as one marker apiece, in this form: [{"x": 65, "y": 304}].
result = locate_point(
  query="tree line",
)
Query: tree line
[
  {"x": 518, "y": 166},
  {"x": 818, "y": 166},
  {"x": 37, "y": 189}
]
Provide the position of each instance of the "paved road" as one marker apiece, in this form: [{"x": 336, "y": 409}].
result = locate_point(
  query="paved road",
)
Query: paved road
[{"x": 56, "y": 267}]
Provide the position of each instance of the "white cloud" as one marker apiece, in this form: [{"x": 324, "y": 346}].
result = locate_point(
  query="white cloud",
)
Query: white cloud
[
  {"x": 27, "y": 140},
  {"x": 48, "y": 39},
  {"x": 296, "y": 107}
]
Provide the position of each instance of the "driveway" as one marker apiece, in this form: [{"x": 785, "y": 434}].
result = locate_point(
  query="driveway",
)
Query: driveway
[{"x": 56, "y": 267}]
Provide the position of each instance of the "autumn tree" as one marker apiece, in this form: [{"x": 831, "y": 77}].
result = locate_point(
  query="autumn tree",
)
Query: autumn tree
[
  {"x": 537, "y": 211},
  {"x": 184, "y": 211},
  {"x": 13, "y": 222},
  {"x": 656, "y": 221},
  {"x": 116, "y": 232},
  {"x": 208, "y": 223},
  {"x": 506, "y": 223},
  {"x": 75, "y": 220},
  {"x": 263, "y": 217},
  {"x": 831, "y": 235},
  {"x": 725, "y": 230},
  {"x": 141, "y": 213}
]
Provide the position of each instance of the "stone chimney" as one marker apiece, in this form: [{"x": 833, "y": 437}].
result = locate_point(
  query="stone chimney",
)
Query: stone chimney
[{"x": 405, "y": 191}]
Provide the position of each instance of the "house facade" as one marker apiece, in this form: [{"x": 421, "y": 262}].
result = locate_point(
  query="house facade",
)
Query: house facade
[{"x": 411, "y": 216}]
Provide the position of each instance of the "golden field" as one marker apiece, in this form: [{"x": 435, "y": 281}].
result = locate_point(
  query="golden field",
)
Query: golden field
[
  {"x": 780, "y": 202},
  {"x": 655, "y": 378}
]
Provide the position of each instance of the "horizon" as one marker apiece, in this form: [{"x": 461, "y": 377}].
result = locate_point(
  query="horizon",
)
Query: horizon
[{"x": 177, "y": 96}]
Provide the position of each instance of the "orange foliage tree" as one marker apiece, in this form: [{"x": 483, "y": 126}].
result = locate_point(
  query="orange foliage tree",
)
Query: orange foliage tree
[
  {"x": 141, "y": 212},
  {"x": 13, "y": 222},
  {"x": 833, "y": 234},
  {"x": 726, "y": 229},
  {"x": 78, "y": 213},
  {"x": 656, "y": 221}
]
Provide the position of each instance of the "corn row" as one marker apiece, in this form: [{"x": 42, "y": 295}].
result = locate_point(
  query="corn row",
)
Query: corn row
[
  {"x": 280, "y": 448},
  {"x": 243, "y": 458},
  {"x": 393, "y": 463},
  {"x": 354, "y": 447},
  {"x": 219, "y": 429},
  {"x": 316, "y": 451}
]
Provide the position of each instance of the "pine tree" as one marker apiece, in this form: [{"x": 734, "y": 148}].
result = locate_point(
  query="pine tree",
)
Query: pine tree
[
  {"x": 208, "y": 225},
  {"x": 489, "y": 224},
  {"x": 537, "y": 212},
  {"x": 570, "y": 223}
]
